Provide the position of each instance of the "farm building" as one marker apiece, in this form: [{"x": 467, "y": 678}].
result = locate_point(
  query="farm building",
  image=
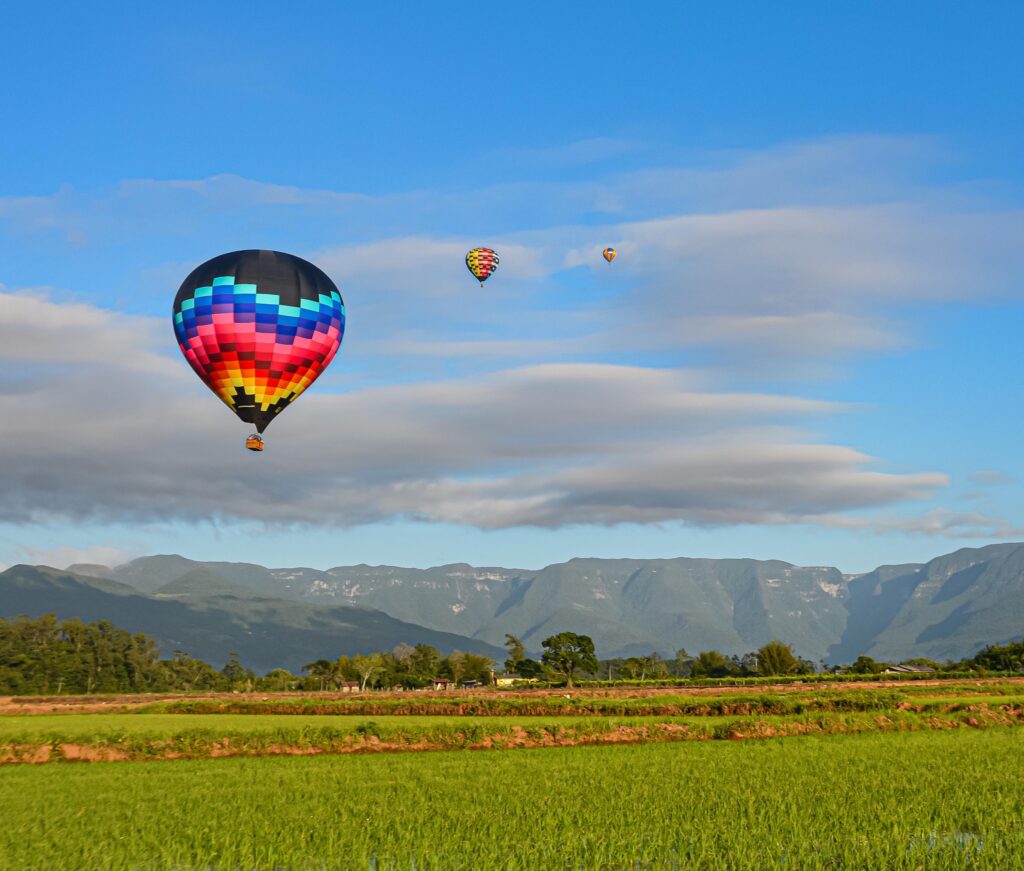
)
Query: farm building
[
  {"x": 508, "y": 679},
  {"x": 909, "y": 669}
]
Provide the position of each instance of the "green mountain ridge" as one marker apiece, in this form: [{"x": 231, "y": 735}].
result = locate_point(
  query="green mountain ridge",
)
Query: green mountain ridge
[
  {"x": 214, "y": 622},
  {"x": 203, "y": 583},
  {"x": 946, "y": 608}
]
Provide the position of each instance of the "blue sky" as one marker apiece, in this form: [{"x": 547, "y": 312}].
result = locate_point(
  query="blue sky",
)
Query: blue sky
[{"x": 807, "y": 350}]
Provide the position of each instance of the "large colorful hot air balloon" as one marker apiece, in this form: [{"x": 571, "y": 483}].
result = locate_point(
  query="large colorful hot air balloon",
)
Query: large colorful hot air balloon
[
  {"x": 482, "y": 262},
  {"x": 609, "y": 254},
  {"x": 258, "y": 327}
]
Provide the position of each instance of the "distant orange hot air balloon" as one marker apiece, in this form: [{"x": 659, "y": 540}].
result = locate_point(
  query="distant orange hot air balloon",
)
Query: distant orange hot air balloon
[
  {"x": 609, "y": 254},
  {"x": 482, "y": 262}
]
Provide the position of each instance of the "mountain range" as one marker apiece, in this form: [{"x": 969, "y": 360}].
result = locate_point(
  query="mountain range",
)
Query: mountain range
[
  {"x": 946, "y": 608},
  {"x": 205, "y": 615}
]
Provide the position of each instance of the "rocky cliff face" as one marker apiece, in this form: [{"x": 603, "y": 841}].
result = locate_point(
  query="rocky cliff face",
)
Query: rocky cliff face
[{"x": 946, "y": 608}]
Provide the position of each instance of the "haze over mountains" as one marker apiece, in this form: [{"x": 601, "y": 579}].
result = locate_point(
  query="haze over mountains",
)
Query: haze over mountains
[{"x": 946, "y": 608}]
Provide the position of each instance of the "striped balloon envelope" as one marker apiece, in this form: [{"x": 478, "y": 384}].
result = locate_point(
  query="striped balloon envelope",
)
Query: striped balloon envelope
[
  {"x": 258, "y": 327},
  {"x": 482, "y": 262}
]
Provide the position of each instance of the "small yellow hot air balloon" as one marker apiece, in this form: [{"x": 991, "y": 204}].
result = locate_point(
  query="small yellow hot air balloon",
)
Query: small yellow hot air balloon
[
  {"x": 609, "y": 254},
  {"x": 482, "y": 262}
]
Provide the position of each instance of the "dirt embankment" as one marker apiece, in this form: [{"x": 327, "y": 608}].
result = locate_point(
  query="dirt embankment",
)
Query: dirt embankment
[
  {"x": 517, "y": 737},
  {"x": 122, "y": 703}
]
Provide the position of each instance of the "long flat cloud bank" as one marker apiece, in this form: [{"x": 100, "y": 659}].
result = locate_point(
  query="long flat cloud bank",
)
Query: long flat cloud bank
[
  {"x": 565, "y": 392},
  {"x": 99, "y": 425}
]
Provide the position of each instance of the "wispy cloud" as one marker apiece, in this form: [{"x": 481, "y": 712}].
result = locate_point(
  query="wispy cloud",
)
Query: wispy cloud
[
  {"x": 991, "y": 477},
  {"x": 543, "y": 445},
  {"x": 521, "y": 403},
  {"x": 785, "y": 285},
  {"x": 38, "y": 331},
  {"x": 936, "y": 522},
  {"x": 62, "y": 557},
  {"x": 579, "y": 153}
]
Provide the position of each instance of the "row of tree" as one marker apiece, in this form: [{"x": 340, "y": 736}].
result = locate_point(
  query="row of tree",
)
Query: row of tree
[
  {"x": 994, "y": 657},
  {"x": 48, "y": 656},
  {"x": 405, "y": 666},
  {"x": 773, "y": 658},
  {"x": 44, "y": 656}
]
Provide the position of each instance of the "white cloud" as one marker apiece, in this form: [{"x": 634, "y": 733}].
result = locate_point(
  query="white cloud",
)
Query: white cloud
[
  {"x": 936, "y": 522},
  {"x": 423, "y": 266},
  {"x": 227, "y": 192},
  {"x": 62, "y": 557},
  {"x": 162, "y": 208},
  {"x": 991, "y": 477},
  {"x": 37, "y": 330},
  {"x": 798, "y": 252},
  {"x": 756, "y": 482},
  {"x": 779, "y": 337},
  {"x": 787, "y": 260},
  {"x": 799, "y": 256},
  {"x": 116, "y": 438},
  {"x": 787, "y": 285}
]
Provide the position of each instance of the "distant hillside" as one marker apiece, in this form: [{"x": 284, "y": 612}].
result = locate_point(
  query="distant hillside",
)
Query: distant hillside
[
  {"x": 203, "y": 583},
  {"x": 212, "y": 621},
  {"x": 150, "y": 573},
  {"x": 947, "y": 608}
]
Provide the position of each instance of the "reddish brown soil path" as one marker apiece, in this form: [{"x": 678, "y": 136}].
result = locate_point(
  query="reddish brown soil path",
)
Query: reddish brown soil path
[{"x": 517, "y": 738}]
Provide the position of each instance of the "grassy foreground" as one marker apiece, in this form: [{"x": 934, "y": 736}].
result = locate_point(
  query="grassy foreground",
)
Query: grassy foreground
[
  {"x": 112, "y": 737},
  {"x": 897, "y": 800},
  {"x": 240, "y": 726}
]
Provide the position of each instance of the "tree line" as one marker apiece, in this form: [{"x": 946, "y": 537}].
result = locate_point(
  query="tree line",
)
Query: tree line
[
  {"x": 776, "y": 658},
  {"x": 47, "y": 656},
  {"x": 50, "y": 657}
]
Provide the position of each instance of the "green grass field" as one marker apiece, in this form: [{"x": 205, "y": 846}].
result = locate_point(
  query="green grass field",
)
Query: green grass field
[
  {"x": 152, "y": 736},
  {"x": 70, "y": 727},
  {"x": 880, "y": 778},
  {"x": 900, "y": 800},
  {"x": 155, "y": 736},
  {"x": 198, "y": 728},
  {"x": 499, "y": 704},
  {"x": 95, "y": 727}
]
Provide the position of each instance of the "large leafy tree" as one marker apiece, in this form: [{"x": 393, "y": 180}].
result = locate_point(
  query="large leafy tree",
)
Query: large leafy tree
[
  {"x": 632, "y": 668},
  {"x": 713, "y": 663},
  {"x": 568, "y": 653},
  {"x": 777, "y": 657},
  {"x": 478, "y": 667},
  {"x": 996, "y": 657},
  {"x": 866, "y": 665},
  {"x": 529, "y": 668},
  {"x": 188, "y": 673},
  {"x": 454, "y": 665},
  {"x": 322, "y": 671},
  {"x": 235, "y": 674},
  {"x": 425, "y": 661},
  {"x": 367, "y": 667},
  {"x": 403, "y": 654},
  {"x": 516, "y": 652}
]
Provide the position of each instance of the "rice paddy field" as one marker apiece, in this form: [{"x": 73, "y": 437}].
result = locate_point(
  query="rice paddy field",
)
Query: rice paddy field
[{"x": 922, "y": 777}]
